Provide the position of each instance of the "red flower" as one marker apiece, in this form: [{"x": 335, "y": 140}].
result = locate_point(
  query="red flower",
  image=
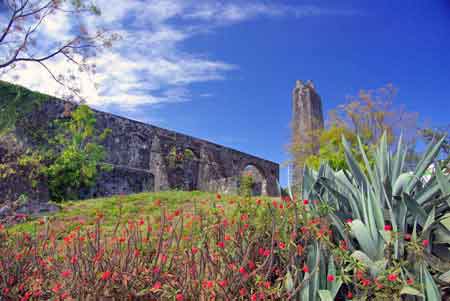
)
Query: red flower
[
  {"x": 410, "y": 281},
  {"x": 305, "y": 202},
  {"x": 242, "y": 292},
  {"x": 305, "y": 269},
  {"x": 254, "y": 297},
  {"x": 348, "y": 220},
  {"x": 379, "y": 285},
  {"x": 194, "y": 250},
  {"x": 267, "y": 284},
  {"x": 56, "y": 288},
  {"x": 106, "y": 275},
  {"x": 157, "y": 203},
  {"x": 267, "y": 253},
  {"x": 221, "y": 244},
  {"x": 251, "y": 265},
  {"x": 244, "y": 217},
  {"x": 66, "y": 273},
  {"x": 258, "y": 202},
  {"x": 282, "y": 245},
  {"x": 275, "y": 203},
  {"x": 227, "y": 237},
  {"x": 242, "y": 270},
  {"x": 387, "y": 228},
  {"x": 330, "y": 278},
  {"x": 218, "y": 196},
  {"x": 425, "y": 243},
  {"x": 365, "y": 282},
  {"x": 141, "y": 222},
  {"x": 407, "y": 236},
  {"x": 26, "y": 296},
  {"x": 392, "y": 277},
  {"x": 208, "y": 284},
  {"x": 343, "y": 245},
  {"x": 349, "y": 295},
  {"x": 261, "y": 251},
  {"x": 223, "y": 283},
  {"x": 179, "y": 297},
  {"x": 359, "y": 274},
  {"x": 157, "y": 285}
]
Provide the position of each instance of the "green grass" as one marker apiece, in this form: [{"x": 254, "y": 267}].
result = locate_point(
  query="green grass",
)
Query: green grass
[{"x": 129, "y": 207}]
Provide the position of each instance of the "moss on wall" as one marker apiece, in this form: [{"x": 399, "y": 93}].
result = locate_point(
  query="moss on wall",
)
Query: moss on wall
[{"x": 15, "y": 103}]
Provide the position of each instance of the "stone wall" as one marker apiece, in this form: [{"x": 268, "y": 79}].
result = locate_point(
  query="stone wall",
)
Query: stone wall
[{"x": 149, "y": 158}]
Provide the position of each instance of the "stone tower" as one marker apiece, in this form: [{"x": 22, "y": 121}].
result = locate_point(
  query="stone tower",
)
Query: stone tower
[{"x": 307, "y": 120}]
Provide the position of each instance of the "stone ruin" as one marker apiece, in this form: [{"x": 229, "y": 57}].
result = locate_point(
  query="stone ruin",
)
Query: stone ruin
[
  {"x": 307, "y": 119},
  {"x": 143, "y": 157}
]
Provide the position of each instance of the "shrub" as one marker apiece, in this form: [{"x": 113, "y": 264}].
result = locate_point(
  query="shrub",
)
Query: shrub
[
  {"x": 246, "y": 185},
  {"x": 78, "y": 163}
]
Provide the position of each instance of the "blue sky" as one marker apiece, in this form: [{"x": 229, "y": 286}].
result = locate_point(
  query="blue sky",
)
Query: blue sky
[{"x": 224, "y": 70}]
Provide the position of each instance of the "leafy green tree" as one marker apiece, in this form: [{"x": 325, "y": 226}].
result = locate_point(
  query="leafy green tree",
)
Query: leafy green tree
[
  {"x": 367, "y": 116},
  {"x": 332, "y": 151},
  {"x": 78, "y": 163}
]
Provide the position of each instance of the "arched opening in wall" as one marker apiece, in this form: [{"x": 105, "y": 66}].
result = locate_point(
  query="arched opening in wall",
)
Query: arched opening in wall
[
  {"x": 252, "y": 180},
  {"x": 183, "y": 165}
]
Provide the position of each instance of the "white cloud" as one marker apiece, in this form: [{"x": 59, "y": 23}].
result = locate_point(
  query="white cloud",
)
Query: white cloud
[{"x": 148, "y": 65}]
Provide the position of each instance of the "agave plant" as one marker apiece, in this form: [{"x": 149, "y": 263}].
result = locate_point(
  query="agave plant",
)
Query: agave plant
[{"x": 391, "y": 209}]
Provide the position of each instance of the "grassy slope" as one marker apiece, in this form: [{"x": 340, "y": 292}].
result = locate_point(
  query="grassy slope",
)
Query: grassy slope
[{"x": 133, "y": 207}]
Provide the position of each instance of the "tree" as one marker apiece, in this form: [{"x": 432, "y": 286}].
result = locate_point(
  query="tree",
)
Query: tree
[
  {"x": 332, "y": 150},
  {"x": 80, "y": 160},
  {"x": 367, "y": 115},
  {"x": 21, "y": 38},
  {"x": 372, "y": 113}
]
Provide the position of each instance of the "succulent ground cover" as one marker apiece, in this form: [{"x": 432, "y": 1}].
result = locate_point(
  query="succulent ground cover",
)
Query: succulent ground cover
[{"x": 379, "y": 234}]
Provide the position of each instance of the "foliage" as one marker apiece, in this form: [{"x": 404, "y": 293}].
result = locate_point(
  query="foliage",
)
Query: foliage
[
  {"x": 33, "y": 163},
  {"x": 332, "y": 151},
  {"x": 430, "y": 134},
  {"x": 372, "y": 113},
  {"x": 21, "y": 42},
  {"x": 177, "y": 158},
  {"x": 397, "y": 221},
  {"x": 367, "y": 115},
  {"x": 222, "y": 249},
  {"x": 16, "y": 103},
  {"x": 78, "y": 163},
  {"x": 351, "y": 235},
  {"x": 246, "y": 185}
]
